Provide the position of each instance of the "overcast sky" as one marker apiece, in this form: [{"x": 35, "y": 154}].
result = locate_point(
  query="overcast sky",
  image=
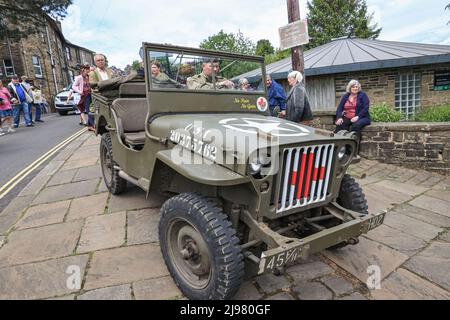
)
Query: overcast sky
[{"x": 117, "y": 28}]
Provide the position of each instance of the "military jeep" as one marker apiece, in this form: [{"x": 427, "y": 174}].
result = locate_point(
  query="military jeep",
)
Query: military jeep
[{"x": 248, "y": 193}]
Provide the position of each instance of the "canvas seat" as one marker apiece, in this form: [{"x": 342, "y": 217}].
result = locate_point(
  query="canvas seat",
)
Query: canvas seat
[
  {"x": 131, "y": 115},
  {"x": 132, "y": 89}
]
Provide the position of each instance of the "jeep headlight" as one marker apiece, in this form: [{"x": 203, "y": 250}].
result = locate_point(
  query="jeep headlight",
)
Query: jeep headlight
[
  {"x": 345, "y": 154},
  {"x": 257, "y": 164}
]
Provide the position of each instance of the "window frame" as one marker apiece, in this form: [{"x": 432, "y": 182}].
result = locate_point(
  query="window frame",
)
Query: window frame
[
  {"x": 10, "y": 67},
  {"x": 408, "y": 94},
  {"x": 37, "y": 65}
]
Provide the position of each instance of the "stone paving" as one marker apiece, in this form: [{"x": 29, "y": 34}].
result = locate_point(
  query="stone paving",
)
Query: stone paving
[{"x": 65, "y": 223}]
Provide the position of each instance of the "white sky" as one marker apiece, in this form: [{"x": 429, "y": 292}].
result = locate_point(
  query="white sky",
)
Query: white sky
[{"x": 117, "y": 28}]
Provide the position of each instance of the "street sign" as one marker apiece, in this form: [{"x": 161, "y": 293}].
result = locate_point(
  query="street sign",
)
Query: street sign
[{"x": 294, "y": 35}]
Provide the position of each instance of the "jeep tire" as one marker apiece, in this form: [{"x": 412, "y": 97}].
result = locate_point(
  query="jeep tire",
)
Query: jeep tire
[
  {"x": 200, "y": 248},
  {"x": 114, "y": 183}
]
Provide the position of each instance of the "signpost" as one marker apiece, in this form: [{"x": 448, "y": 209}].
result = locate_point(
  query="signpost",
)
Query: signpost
[
  {"x": 441, "y": 80},
  {"x": 292, "y": 35}
]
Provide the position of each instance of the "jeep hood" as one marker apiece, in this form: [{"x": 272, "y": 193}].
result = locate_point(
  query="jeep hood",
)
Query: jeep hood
[{"x": 234, "y": 135}]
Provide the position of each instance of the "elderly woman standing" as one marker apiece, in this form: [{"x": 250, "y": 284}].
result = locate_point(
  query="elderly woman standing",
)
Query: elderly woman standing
[
  {"x": 297, "y": 104},
  {"x": 353, "y": 111}
]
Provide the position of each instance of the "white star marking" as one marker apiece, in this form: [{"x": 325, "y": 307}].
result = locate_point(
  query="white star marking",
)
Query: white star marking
[{"x": 265, "y": 127}]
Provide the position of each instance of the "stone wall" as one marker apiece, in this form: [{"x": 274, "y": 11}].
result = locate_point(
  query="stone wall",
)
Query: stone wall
[
  {"x": 413, "y": 145},
  {"x": 380, "y": 84}
]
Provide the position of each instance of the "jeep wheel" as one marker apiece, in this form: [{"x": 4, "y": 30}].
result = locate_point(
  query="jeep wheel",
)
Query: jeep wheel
[
  {"x": 351, "y": 197},
  {"x": 200, "y": 248},
  {"x": 114, "y": 183}
]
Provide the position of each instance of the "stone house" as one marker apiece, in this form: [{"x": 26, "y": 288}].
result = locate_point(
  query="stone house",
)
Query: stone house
[
  {"x": 407, "y": 76},
  {"x": 44, "y": 58}
]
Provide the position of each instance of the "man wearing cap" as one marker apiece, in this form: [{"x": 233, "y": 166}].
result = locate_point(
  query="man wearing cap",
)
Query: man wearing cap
[{"x": 204, "y": 81}]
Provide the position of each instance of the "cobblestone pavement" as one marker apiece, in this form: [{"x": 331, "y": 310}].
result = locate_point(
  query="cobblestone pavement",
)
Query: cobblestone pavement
[{"x": 65, "y": 222}]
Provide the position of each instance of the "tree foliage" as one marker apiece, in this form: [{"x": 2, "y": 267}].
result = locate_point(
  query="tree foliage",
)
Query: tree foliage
[
  {"x": 20, "y": 18},
  {"x": 264, "y": 48},
  {"x": 277, "y": 56},
  {"x": 339, "y": 18},
  {"x": 229, "y": 42}
]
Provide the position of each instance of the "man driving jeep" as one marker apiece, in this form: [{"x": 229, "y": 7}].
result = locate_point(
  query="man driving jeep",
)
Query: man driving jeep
[{"x": 203, "y": 81}]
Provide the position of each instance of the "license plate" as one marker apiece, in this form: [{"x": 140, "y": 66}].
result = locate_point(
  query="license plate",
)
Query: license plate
[
  {"x": 374, "y": 222},
  {"x": 281, "y": 259}
]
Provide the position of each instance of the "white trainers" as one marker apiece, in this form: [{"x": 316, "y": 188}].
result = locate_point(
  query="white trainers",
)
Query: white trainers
[{"x": 11, "y": 130}]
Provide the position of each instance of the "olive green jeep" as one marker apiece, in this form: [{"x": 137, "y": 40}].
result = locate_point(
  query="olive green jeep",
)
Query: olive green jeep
[{"x": 249, "y": 193}]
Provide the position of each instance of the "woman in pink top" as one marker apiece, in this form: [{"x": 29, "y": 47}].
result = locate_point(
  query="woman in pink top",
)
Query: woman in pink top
[
  {"x": 81, "y": 86},
  {"x": 6, "y": 112}
]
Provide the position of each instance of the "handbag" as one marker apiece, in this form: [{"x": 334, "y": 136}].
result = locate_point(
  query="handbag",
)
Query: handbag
[{"x": 28, "y": 98}]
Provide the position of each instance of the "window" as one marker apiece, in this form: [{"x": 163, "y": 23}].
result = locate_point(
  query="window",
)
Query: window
[
  {"x": 68, "y": 53},
  {"x": 408, "y": 94},
  {"x": 9, "y": 68},
  {"x": 37, "y": 66}
]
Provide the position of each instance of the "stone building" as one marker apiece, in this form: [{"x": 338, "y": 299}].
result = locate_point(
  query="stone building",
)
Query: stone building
[
  {"x": 407, "y": 76},
  {"x": 44, "y": 58}
]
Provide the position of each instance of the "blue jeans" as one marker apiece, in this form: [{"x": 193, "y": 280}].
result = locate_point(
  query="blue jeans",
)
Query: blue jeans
[
  {"x": 87, "y": 104},
  {"x": 26, "y": 113},
  {"x": 38, "y": 107}
]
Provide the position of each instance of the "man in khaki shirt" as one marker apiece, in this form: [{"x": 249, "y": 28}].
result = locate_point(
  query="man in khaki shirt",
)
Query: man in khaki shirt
[{"x": 203, "y": 81}]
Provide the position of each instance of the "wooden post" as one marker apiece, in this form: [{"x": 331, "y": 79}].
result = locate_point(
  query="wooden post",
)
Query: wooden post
[{"x": 298, "y": 63}]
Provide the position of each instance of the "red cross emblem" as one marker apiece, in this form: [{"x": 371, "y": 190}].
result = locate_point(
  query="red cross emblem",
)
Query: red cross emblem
[{"x": 262, "y": 104}]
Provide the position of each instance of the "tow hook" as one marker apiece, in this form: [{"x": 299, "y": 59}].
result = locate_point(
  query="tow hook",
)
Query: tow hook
[{"x": 353, "y": 241}]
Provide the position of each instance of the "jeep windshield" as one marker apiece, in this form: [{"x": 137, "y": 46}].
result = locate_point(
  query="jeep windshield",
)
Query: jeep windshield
[{"x": 194, "y": 80}]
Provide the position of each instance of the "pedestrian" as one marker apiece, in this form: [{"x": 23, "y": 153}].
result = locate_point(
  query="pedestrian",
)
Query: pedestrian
[
  {"x": 81, "y": 87},
  {"x": 353, "y": 111},
  {"x": 276, "y": 97},
  {"x": 6, "y": 112},
  {"x": 20, "y": 99},
  {"x": 298, "y": 108},
  {"x": 37, "y": 103},
  {"x": 244, "y": 85},
  {"x": 24, "y": 81}
]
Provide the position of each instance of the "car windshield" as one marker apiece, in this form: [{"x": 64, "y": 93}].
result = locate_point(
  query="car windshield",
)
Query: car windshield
[{"x": 177, "y": 70}]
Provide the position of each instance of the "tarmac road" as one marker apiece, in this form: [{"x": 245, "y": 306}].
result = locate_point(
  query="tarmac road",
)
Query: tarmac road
[{"x": 22, "y": 148}]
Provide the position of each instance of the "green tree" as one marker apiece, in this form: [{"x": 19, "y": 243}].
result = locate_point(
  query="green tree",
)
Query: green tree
[
  {"x": 136, "y": 65},
  {"x": 339, "y": 18},
  {"x": 264, "y": 48},
  {"x": 229, "y": 42},
  {"x": 277, "y": 56},
  {"x": 20, "y": 18}
]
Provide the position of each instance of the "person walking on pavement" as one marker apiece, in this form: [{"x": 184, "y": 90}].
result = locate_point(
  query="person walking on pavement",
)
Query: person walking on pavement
[
  {"x": 20, "y": 100},
  {"x": 82, "y": 88},
  {"x": 37, "y": 102},
  {"x": 6, "y": 111}
]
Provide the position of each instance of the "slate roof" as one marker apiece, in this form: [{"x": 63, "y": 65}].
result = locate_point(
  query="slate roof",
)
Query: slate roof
[{"x": 352, "y": 54}]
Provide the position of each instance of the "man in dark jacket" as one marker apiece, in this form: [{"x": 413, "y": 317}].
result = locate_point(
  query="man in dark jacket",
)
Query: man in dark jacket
[
  {"x": 277, "y": 98},
  {"x": 19, "y": 102}
]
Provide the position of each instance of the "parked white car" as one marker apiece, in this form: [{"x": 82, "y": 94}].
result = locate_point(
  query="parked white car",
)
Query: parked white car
[{"x": 61, "y": 105}]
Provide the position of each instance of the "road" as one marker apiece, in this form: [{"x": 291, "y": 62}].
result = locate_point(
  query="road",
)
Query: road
[{"x": 22, "y": 148}]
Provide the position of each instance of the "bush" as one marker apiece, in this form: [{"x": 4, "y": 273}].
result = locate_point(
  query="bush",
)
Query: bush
[
  {"x": 434, "y": 114},
  {"x": 384, "y": 113}
]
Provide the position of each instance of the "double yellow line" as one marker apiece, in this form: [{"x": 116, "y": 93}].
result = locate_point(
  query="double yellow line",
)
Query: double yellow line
[{"x": 7, "y": 187}]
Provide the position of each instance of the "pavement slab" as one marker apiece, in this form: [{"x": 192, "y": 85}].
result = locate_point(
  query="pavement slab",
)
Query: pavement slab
[
  {"x": 408, "y": 189},
  {"x": 445, "y": 236},
  {"x": 397, "y": 240},
  {"x": 281, "y": 296},
  {"x": 404, "y": 285},
  {"x": 142, "y": 226},
  {"x": 82, "y": 163},
  {"x": 337, "y": 284},
  {"x": 2, "y": 241},
  {"x": 423, "y": 215},
  {"x": 439, "y": 194},
  {"x": 270, "y": 283},
  {"x": 125, "y": 265},
  {"x": 63, "y": 177},
  {"x": 88, "y": 173},
  {"x": 13, "y": 212},
  {"x": 134, "y": 199},
  {"x": 357, "y": 259},
  {"x": 412, "y": 226},
  {"x": 35, "y": 186},
  {"x": 433, "y": 264},
  {"x": 353, "y": 296},
  {"x": 41, "y": 280},
  {"x": 102, "y": 232},
  {"x": 309, "y": 270},
  {"x": 66, "y": 192},
  {"x": 379, "y": 200},
  {"x": 432, "y": 204},
  {"x": 312, "y": 291},
  {"x": 88, "y": 206},
  {"x": 156, "y": 289},
  {"x": 32, "y": 245},
  {"x": 122, "y": 292},
  {"x": 248, "y": 291},
  {"x": 44, "y": 214}
]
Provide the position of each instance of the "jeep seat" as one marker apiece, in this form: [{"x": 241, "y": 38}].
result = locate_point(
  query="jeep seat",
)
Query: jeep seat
[
  {"x": 132, "y": 89},
  {"x": 131, "y": 115}
]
